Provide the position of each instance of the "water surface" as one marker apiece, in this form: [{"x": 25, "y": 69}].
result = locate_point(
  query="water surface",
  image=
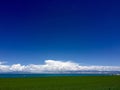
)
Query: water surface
[{"x": 45, "y": 75}]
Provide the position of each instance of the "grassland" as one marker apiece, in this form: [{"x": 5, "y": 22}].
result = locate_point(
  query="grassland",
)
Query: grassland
[{"x": 62, "y": 83}]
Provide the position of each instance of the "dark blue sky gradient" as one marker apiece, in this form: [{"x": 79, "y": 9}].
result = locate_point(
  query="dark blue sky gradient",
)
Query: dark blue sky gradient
[{"x": 84, "y": 31}]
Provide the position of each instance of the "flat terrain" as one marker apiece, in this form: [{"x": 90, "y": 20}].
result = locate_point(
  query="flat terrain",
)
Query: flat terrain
[{"x": 62, "y": 83}]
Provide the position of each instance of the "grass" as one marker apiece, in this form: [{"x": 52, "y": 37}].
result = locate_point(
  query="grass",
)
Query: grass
[{"x": 62, "y": 83}]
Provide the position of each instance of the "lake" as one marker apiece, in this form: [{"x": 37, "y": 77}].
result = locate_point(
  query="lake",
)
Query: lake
[{"x": 46, "y": 75}]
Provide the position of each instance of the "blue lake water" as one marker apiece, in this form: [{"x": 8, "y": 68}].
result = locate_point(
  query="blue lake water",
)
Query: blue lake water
[{"x": 45, "y": 75}]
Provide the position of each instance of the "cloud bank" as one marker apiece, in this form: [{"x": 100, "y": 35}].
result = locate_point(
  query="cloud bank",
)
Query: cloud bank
[{"x": 54, "y": 66}]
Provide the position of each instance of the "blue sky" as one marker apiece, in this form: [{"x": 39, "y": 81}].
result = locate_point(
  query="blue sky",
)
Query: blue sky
[{"x": 83, "y": 31}]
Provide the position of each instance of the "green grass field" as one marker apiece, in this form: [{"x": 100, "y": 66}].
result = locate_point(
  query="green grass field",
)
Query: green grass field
[{"x": 62, "y": 83}]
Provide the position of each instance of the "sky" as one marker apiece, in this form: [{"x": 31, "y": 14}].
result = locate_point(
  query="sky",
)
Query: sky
[
  {"x": 82, "y": 31},
  {"x": 53, "y": 66}
]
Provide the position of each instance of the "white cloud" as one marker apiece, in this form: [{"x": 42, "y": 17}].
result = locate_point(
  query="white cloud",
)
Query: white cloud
[
  {"x": 53, "y": 66},
  {"x": 2, "y": 62}
]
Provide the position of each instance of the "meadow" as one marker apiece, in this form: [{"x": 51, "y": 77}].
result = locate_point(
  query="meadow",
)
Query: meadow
[{"x": 62, "y": 83}]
